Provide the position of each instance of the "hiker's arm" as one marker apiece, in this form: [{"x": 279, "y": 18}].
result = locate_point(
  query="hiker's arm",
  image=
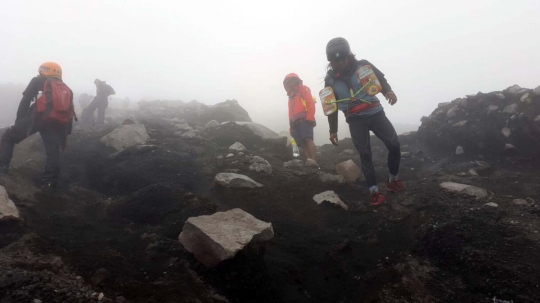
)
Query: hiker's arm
[
  {"x": 29, "y": 94},
  {"x": 382, "y": 79},
  {"x": 333, "y": 122},
  {"x": 310, "y": 116}
]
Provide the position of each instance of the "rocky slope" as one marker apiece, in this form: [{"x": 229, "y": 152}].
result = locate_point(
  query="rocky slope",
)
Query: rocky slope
[{"x": 110, "y": 234}]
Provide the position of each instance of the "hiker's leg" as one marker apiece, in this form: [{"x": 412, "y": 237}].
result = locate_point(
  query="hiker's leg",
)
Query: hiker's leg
[
  {"x": 384, "y": 130},
  {"x": 13, "y": 135},
  {"x": 360, "y": 136},
  {"x": 310, "y": 149},
  {"x": 52, "y": 139},
  {"x": 101, "y": 111},
  {"x": 88, "y": 113}
]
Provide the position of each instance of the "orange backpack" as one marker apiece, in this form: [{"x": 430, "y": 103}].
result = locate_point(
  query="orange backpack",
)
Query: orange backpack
[{"x": 56, "y": 102}]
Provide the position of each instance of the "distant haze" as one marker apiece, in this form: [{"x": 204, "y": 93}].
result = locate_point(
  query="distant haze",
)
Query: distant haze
[{"x": 430, "y": 51}]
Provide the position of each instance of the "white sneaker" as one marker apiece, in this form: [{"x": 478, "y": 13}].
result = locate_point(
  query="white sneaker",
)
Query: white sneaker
[{"x": 311, "y": 162}]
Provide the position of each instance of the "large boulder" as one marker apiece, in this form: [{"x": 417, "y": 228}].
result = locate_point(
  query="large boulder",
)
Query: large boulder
[
  {"x": 213, "y": 239},
  {"x": 349, "y": 170},
  {"x": 8, "y": 210},
  {"x": 259, "y": 164},
  {"x": 125, "y": 135},
  {"x": 236, "y": 180}
]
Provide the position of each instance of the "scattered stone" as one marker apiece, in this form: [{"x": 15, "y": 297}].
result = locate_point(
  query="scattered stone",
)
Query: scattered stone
[
  {"x": 492, "y": 204},
  {"x": 521, "y": 202},
  {"x": 125, "y": 135},
  {"x": 237, "y": 146},
  {"x": 452, "y": 112},
  {"x": 461, "y": 174},
  {"x": 8, "y": 210},
  {"x": 220, "y": 157},
  {"x": 101, "y": 296},
  {"x": 329, "y": 178},
  {"x": 514, "y": 89},
  {"x": 192, "y": 134},
  {"x": 347, "y": 152},
  {"x": 537, "y": 119},
  {"x": 37, "y": 301},
  {"x": 183, "y": 126},
  {"x": 461, "y": 123},
  {"x": 506, "y": 132},
  {"x": 329, "y": 196},
  {"x": 259, "y": 164},
  {"x": 240, "y": 153},
  {"x": 509, "y": 147},
  {"x": 349, "y": 170},
  {"x": 221, "y": 236},
  {"x": 525, "y": 98},
  {"x": 230, "y": 180},
  {"x": 473, "y": 172},
  {"x": 100, "y": 276},
  {"x": 212, "y": 124},
  {"x": 465, "y": 189},
  {"x": 511, "y": 109},
  {"x": 293, "y": 163},
  {"x": 492, "y": 109},
  {"x": 229, "y": 155},
  {"x": 405, "y": 154},
  {"x": 459, "y": 150},
  {"x": 500, "y": 96}
]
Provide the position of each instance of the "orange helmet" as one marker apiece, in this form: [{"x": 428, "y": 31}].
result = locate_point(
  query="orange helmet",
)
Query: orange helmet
[{"x": 50, "y": 69}]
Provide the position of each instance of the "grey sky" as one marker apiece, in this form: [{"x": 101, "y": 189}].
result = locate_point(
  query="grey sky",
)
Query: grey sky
[{"x": 430, "y": 51}]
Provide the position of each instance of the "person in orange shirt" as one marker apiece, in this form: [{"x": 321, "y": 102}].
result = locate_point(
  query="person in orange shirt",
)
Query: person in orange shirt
[{"x": 301, "y": 116}]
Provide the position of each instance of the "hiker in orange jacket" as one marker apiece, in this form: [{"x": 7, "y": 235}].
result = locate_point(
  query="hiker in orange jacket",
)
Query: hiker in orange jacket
[{"x": 301, "y": 116}]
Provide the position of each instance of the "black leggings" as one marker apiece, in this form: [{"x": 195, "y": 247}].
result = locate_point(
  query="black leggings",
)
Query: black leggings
[{"x": 384, "y": 130}]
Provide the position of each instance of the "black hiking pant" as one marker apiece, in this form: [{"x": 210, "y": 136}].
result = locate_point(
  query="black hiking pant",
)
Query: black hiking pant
[
  {"x": 384, "y": 130},
  {"x": 101, "y": 105},
  {"x": 53, "y": 136}
]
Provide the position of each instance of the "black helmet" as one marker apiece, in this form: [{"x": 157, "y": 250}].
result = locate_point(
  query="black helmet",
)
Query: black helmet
[{"x": 337, "y": 48}]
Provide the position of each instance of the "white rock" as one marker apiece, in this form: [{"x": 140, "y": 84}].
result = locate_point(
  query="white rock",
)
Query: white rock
[
  {"x": 537, "y": 119},
  {"x": 492, "y": 109},
  {"x": 101, "y": 296},
  {"x": 349, "y": 170},
  {"x": 491, "y": 204},
  {"x": 500, "y": 96},
  {"x": 511, "y": 109},
  {"x": 230, "y": 155},
  {"x": 329, "y": 178},
  {"x": 514, "y": 89},
  {"x": 506, "y": 132},
  {"x": 237, "y": 146},
  {"x": 347, "y": 152},
  {"x": 452, "y": 112},
  {"x": 212, "y": 124},
  {"x": 525, "y": 98},
  {"x": 236, "y": 180},
  {"x": 465, "y": 189},
  {"x": 125, "y": 135},
  {"x": 192, "y": 134},
  {"x": 293, "y": 163},
  {"x": 259, "y": 164},
  {"x": 521, "y": 202},
  {"x": 461, "y": 123},
  {"x": 8, "y": 210},
  {"x": 509, "y": 146},
  {"x": 37, "y": 301},
  {"x": 405, "y": 154},
  {"x": 459, "y": 150},
  {"x": 329, "y": 196},
  {"x": 183, "y": 126},
  {"x": 213, "y": 239},
  {"x": 473, "y": 172}
]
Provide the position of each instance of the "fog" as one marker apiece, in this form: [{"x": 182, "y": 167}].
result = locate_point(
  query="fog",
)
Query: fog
[{"x": 430, "y": 51}]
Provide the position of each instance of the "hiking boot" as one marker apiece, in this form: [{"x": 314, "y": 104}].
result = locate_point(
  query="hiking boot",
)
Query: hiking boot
[
  {"x": 311, "y": 162},
  {"x": 377, "y": 199},
  {"x": 394, "y": 186}
]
